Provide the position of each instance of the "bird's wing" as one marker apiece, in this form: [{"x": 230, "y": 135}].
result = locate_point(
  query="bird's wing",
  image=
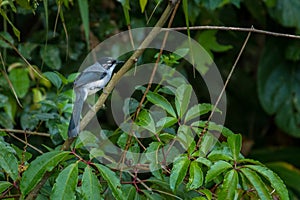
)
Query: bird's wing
[
  {"x": 93, "y": 73},
  {"x": 95, "y": 67}
]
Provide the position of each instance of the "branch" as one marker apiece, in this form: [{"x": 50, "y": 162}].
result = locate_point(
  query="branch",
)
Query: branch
[
  {"x": 224, "y": 28},
  {"x": 25, "y": 132},
  {"x": 24, "y": 142},
  {"x": 116, "y": 77}
]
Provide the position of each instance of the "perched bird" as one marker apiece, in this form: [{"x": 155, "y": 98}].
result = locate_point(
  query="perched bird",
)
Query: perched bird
[{"x": 89, "y": 81}]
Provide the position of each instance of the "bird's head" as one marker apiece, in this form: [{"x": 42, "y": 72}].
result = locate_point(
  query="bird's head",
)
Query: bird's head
[{"x": 108, "y": 62}]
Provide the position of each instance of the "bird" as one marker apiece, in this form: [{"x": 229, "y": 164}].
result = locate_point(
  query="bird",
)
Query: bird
[{"x": 89, "y": 81}]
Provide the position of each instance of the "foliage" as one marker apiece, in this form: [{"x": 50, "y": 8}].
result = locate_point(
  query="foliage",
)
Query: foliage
[
  {"x": 205, "y": 165},
  {"x": 182, "y": 158}
]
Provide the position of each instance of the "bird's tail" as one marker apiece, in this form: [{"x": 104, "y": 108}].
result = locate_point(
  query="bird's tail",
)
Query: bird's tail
[{"x": 74, "y": 125}]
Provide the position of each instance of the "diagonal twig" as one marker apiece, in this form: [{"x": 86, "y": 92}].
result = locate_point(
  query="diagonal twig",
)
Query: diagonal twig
[
  {"x": 223, "y": 89},
  {"x": 24, "y": 142},
  {"x": 25, "y": 132}
]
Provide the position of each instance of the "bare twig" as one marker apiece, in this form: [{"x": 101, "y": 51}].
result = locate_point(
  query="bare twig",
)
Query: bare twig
[
  {"x": 225, "y": 28},
  {"x": 139, "y": 181},
  {"x": 156, "y": 62},
  {"x": 23, "y": 58},
  {"x": 223, "y": 89},
  {"x": 9, "y": 82},
  {"x": 25, "y": 132},
  {"x": 26, "y": 143}
]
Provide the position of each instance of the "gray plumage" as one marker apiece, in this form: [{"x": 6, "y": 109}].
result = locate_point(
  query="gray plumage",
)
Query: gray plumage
[{"x": 89, "y": 81}]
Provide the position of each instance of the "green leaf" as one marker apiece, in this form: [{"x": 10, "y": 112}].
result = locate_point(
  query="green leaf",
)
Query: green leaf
[
  {"x": 130, "y": 191},
  {"x": 11, "y": 108},
  {"x": 207, "y": 143},
  {"x": 96, "y": 153},
  {"x": 198, "y": 110},
  {"x": 4, "y": 185},
  {"x": 166, "y": 122},
  {"x": 145, "y": 120},
  {"x": 86, "y": 138},
  {"x": 5, "y": 120},
  {"x": 6, "y": 40},
  {"x": 154, "y": 155},
  {"x": 279, "y": 88},
  {"x": 71, "y": 78},
  {"x": 65, "y": 183},
  {"x": 143, "y": 4},
  {"x": 24, "y": 156},
  {"x": 84, "y": 13},
  {"x": 213, "y": 127},
  {"x": 90, "y": 187},
  {"x": 196, "y": 176},
  {"x": 229, "y": 186},
  {"x": 20, "y": 81},
  {"x": 50, "y": 56},
  {"x": 204, "y": 161},
  {"x": 220, "y": 154},
  {"x": 15, "y": 30},
  {"x": 186, "y": 16},
  {"x": 9, "y": 162},
  {"x": 162, "y": 102},
  {"x": 289, "y": 173},
  {"x": 257, "y": 183},
  {"x": 112, "y": 180},
  {"x": 208, "y": 194},
  {"x": 179, "y": 170},
  {"x": 216, "y": 169},
  {"x": 153, "y": 152},
  {"x": 235, "y": 145},
  {"x": 273, "y": 178},
  {"x": 182, "y": 99},
  {"x": 180, "y": 53},
  {"x": 208, "y": 41},
  {"x": 186, "y": 138},
  {"x": 62, "y": 78},
  {"x": 46, "y": 9},
  {"x": 126, "y": 8},
  {"x": 53, "y": 78},
  {"x": 286, "y": 12},
  {"x": 38, "y": 167},
  {"x": 3, "y": 100},
  {"x": 26, "y": 49}
]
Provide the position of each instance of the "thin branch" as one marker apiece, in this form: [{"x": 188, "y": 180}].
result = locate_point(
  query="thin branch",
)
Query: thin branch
[
  {"x": 9, "y": 82},
  {"x": 156, "y": 62},
  {"x": 23, "y": 58},
  {"x": 224, "y": 28},
  {"x": 140, "y": 181},
  {"x": 223, "y": 89},
  {"x": 26, "y": 143},
  {"x": 25, "y": 132}
]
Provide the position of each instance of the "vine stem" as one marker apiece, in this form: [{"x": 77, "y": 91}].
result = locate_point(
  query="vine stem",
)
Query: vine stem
[{"x": 228, "y": 28}]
